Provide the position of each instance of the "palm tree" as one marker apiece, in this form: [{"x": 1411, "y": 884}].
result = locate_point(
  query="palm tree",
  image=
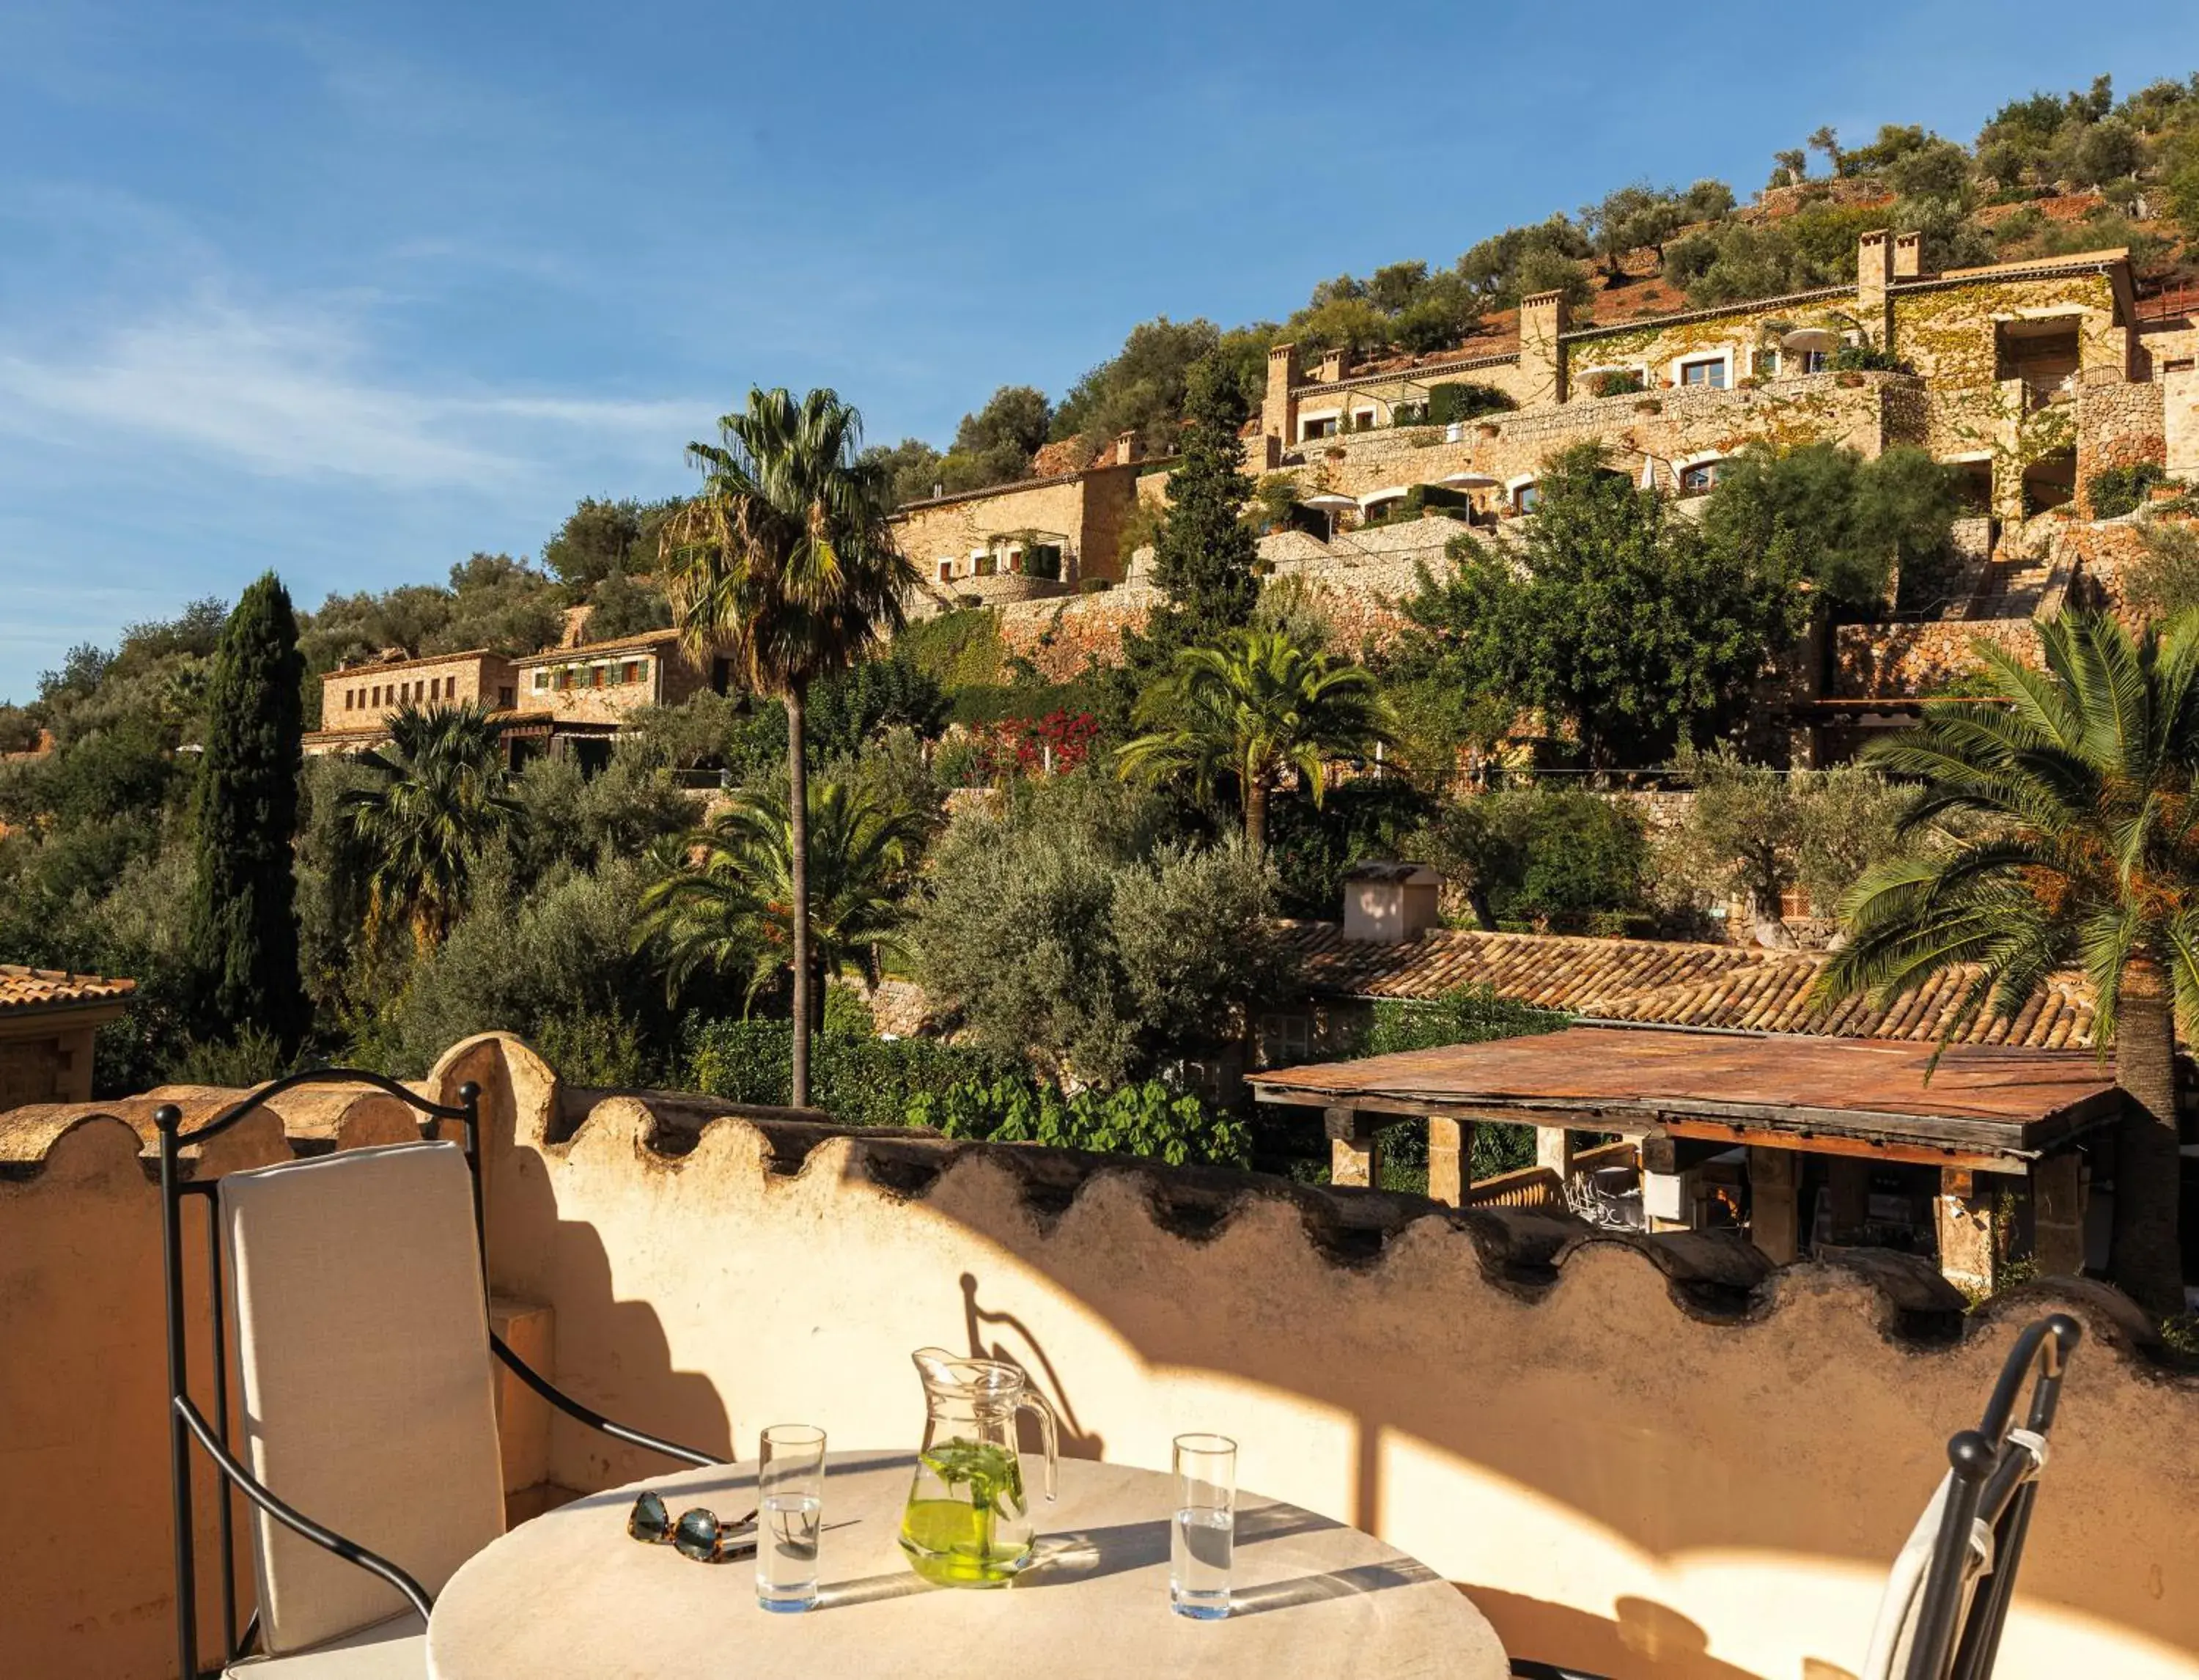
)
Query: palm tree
[
  {"x": 786, "y": 562},
  {"x": 1256, "y": 704},
  {"x": 725, "y": 901},
  {"x": 2076, "y": 844},
  {"x": 441, "y": 798}
]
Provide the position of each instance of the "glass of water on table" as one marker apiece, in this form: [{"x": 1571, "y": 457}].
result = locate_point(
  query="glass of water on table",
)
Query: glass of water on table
[
  {"x": 1204, "y": 1537},
  {"x": 789, "y": 1511}
]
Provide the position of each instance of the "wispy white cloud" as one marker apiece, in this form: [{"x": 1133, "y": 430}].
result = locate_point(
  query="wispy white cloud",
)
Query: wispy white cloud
[{"x": 294, "y": 394}]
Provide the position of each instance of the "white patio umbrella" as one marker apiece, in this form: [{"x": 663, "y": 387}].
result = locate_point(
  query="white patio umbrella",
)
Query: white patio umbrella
[
  {"x": 1469, "y": 480},
  {"x": 1821, "y": 339}
]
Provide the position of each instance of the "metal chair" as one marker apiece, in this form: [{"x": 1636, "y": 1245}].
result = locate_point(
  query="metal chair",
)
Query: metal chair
[
  {"x": 1948, "y": 1597},
  {"x": 306, "y": 1259}
]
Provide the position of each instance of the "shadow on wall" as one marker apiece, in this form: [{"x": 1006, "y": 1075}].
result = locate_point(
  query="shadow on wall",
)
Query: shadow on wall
[
  {"x": 536, "y": 1256},
  {"x": 1076, "y": 1441}
]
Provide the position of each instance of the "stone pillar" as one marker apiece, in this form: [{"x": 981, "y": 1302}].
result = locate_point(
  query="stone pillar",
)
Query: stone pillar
[
  {"x": 1450, "y": 1159},
  {"x": 1355, "y": 1149},
  {"x": 2057, "y": 1215},
  {"x": 1873, "y": 271},
  {"x": 1849, "y": 1179},
  {"x": 1126, "y": 448},
  {"x": 1553, "y": 1148},
  {"x": 522, "y": 1417},
  {"x": 1964, "y": 1215},
  {"x": 1278, "y": 410},
  {"x": 1542, "y": 322},
  {"x": 1775, "y": 1223}
]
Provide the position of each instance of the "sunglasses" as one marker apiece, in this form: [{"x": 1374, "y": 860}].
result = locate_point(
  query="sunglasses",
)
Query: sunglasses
[{"x": 698, "y": 1534}]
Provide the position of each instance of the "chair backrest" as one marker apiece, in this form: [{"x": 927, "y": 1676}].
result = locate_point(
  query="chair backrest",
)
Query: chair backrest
[
  {"x": 1948, "y": 1595},
  {"x": 363, "y": 1356}
]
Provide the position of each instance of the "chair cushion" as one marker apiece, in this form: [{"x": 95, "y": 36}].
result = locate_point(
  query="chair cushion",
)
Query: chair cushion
[
  {"x": 368, "y": 1404},
  {"x": 396, "y": 1649}
]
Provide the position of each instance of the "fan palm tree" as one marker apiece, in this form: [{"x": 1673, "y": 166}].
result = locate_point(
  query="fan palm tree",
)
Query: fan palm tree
[
  {"x": 727, "y": 901},
  {"x": 785, "y": 562},
  {"x": 1258, "y": 702},
  {"x": 2077, "y": 845},
  {"x": 440, "y": 797}
]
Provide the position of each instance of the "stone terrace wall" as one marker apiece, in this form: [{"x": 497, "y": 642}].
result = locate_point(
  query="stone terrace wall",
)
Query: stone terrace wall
[
  {"x": 1848, "y": 409},
  {"x": 1654, "y": 1459}
]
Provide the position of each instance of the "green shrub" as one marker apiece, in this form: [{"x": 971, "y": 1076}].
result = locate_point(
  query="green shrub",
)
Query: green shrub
[
  {"x": 1043, "y": 560},
  {"x": 1616, "y": 382},
  {"x": 1146, "y": 1119},
  {"x": 1867, "y": 359},
  {"x": 1471, "y": 1014},
  {"x": 858, "y": 1080},
  {"x": 1463, "y": 400},
  {"x": 2121, "y": 490}
]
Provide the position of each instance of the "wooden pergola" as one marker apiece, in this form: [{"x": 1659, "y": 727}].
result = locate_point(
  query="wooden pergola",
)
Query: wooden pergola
[{"x": 1983, "y": 1110}]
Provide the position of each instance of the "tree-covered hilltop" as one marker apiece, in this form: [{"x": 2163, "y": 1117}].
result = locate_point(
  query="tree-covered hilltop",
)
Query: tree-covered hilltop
[{"x": 2050, "y": 173}]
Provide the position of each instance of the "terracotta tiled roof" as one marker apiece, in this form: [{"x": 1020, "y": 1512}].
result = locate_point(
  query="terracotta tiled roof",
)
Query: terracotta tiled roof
[
  {"x": 1724, "y": 986},
  {"x": 31, "y": 989}
]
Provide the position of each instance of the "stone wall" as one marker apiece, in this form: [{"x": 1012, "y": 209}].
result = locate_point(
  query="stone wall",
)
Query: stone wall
[
  {"x": 1888, "y": 661},
  {"x": 1656, "y": 350},
  {"x": 362, "y": 697},
  {"x": 1848, "y": 409},
  {"x": 2179, "y": 392},
  {"x": 651, "y": 671},
  {"x": 1651, "y": 1458},
  {"x": 2117, "y": 425}
]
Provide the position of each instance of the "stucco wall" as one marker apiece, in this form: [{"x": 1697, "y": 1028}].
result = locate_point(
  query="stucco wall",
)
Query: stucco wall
[{"x": 1651, "y": 1458}]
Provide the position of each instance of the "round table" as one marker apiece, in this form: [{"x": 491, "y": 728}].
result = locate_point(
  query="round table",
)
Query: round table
[{"x": 570, "y": 1595}]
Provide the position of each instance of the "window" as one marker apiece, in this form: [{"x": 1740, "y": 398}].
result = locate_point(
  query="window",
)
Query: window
[
  {"x": 504, "y": 697},
  {"x": 1526, "y": 497},
  {"x": 1363, "y": 420},
  {"x": 596, "y": 674},
  {"x": 1709, "y": 373},
  {"x": 630, "y": 672},
  {"x": 1816, "y": 361},
  {"x": 1324, "y": 426},
  {"x": 348, "y": 698},
  {"x": 947, "y": 571},
  {"x": 1767, "y": 363},
  {"x": 1699, "y": 477},
  {"x": 542, "y": 679},
  {"x": 1286, "y": 1040}
]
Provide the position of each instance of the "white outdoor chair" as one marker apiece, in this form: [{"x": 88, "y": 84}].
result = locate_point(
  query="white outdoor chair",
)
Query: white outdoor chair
[
  {"x": 365, "y": 1366},
  {"x": 1946, "y": 1598}
]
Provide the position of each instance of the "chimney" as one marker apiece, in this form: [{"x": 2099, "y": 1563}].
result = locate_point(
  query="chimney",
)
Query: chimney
[
  {"x": 1279, "y": 414},
  {"x": 1543, "y": 319},
  {"x": 1335, "y": 365},
  {"x": 1907, "y": 256},
  {"x": 1874, "y": 272},
  {"x": 1126, "y": 448},
  {"x": 1390, "y": 903}
]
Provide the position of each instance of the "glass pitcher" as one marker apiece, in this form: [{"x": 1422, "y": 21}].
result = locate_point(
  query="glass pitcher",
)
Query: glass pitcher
[{"x": 967, "y": 1523}]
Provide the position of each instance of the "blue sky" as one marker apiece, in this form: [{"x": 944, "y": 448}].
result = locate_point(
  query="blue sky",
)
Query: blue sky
[{"x": 354, "y": 291}]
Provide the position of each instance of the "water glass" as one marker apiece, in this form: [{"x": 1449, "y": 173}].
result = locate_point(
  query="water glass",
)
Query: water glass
[
  {"x": 1204, "y": 1537},
  {"x": 789, "y": 1510}
]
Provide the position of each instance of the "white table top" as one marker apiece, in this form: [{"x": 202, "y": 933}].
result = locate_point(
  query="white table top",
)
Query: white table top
[{"x": 570, "y": 1595}]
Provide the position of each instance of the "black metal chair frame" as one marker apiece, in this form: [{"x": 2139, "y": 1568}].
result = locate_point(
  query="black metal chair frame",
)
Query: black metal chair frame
[
  {"x": 1995, "y": 1482},
  {"x": 187, "y": 1424}
]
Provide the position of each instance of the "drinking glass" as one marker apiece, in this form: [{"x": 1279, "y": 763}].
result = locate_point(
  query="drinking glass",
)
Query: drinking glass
[
  {"x": 790, "y": 1509},
  {"x": 1204, "y": 1537}
]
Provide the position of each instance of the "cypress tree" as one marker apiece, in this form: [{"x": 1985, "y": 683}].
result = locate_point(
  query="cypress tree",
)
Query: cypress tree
[
  {"x": 1203, "y": 557},
  {"x": 243, "y": 931}
]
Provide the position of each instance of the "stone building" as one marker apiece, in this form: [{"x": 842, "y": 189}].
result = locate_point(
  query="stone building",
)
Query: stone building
[
  {"x": 2033, "y": 376},
  {"x": 1028, "y": 540},
  {"x": 572, "y": 698},
  {"x": 47, "y": 1020},
  {"x": 358, "y": 697}
]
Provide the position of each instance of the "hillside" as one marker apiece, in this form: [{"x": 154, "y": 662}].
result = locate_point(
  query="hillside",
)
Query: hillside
[{"x": 2049, "y": 174}]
